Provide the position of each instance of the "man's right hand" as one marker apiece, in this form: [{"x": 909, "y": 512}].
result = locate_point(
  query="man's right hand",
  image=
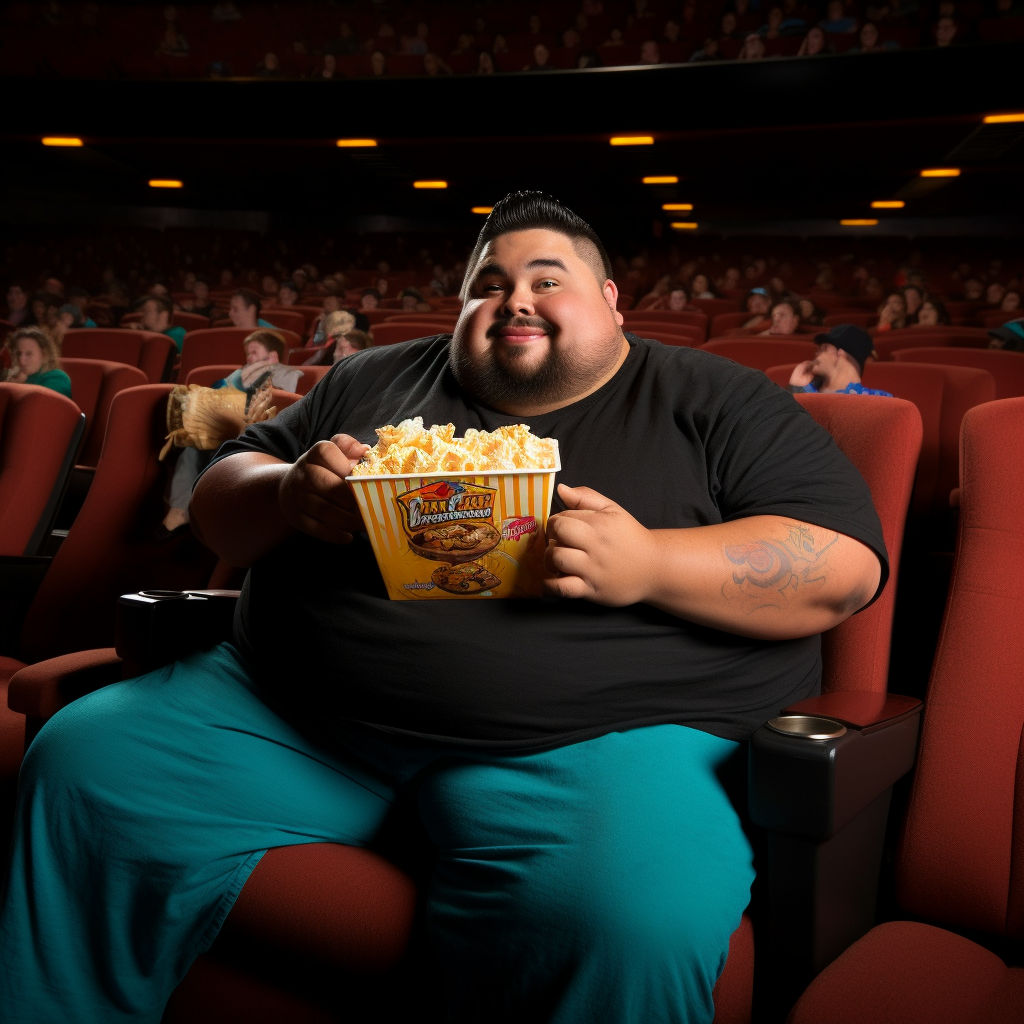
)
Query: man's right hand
[
  {"x": 801, "y": 375},
  {"x": 314, "y": 496}
]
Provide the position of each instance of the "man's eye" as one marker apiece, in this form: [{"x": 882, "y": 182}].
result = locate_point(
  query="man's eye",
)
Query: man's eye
[
  {"x": 547, "y": 284},
  {"x": 491, "y": 288}
]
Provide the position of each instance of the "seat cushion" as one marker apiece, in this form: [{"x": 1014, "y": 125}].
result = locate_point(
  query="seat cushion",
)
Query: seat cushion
[
  {"x": 734, "y": 990},
  {"x": 12, "y": 724},
  {"x": 909, "y": 973}
]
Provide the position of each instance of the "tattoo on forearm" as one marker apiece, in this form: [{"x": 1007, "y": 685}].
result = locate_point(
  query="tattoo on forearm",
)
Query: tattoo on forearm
[{"x": 770, "y": 572}]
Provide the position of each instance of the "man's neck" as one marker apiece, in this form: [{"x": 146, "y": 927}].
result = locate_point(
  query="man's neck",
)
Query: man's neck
[{"x": 842, "y": 378}]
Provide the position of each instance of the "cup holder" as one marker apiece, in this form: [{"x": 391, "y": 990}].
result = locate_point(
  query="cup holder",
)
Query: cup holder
[
  {"x": 808, "y": 727},
  {"x": 164, "y": 595}
]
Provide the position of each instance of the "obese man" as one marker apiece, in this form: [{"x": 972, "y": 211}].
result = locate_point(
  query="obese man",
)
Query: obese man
[{"x": 562, "y": 751}]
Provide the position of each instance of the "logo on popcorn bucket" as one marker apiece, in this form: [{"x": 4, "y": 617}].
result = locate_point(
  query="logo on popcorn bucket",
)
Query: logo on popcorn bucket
[{"x": 446, "y": 501}]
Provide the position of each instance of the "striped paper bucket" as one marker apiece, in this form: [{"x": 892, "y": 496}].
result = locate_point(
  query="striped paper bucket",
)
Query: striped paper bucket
[{"x": 458, "y": 535}]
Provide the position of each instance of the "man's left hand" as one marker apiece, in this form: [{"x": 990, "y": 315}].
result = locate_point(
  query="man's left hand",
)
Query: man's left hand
[{"x": 597, "y": 550}]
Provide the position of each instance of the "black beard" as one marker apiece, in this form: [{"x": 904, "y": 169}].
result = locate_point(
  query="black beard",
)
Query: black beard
[{"x": 502, "y": 383}]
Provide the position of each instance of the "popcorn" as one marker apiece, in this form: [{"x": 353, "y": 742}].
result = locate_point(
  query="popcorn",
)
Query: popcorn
[{"x": 409, "y": 448}]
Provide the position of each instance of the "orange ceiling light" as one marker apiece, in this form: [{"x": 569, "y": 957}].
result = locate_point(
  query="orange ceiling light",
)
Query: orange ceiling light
[
  {"x": 859, "y": 222},
  {"x": 680, "y": 207},
  {"x": 430, "y": 184},
  {"x": 165, "y": 183},
  {"x": 632, "y": 140},
  {"x": 356, "y": 143},
  {"x": 941, "y": 172},
  {"x": 888, "y": 204},
  {"x": 661, "y": 179},
  {"x": 1002, "y": 118},
  {"x": 482, "y": 209},
  {"x": 61, "y": 140},
  {"x": 684, "y": 225}
]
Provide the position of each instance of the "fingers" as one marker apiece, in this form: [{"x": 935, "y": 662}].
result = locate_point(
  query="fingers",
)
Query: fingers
[
  {"x": 569, "y": 530},
  {"x": 568, "y": 587},
  {"x": 585, "y": 498},
  {"x": 350, "y": 447}
]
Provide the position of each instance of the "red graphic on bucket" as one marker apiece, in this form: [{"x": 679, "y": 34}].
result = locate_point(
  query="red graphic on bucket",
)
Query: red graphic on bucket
[{"x": 513, "y": 529}]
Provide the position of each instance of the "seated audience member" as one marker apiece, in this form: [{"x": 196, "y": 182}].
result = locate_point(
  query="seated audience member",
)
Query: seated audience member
[
  {"x": 434, "y": 66},
  {"x": 659, "y": 291},
  {"x": 892, "y": 314},
  {"x": 727, "y": 27},
  {"x": 330, "y": 328},
  {"x": 541, "y": 56},
  {"x": 413, "y": 301},
  {"x": 589, "y": 59},
  {"x": 17, "y": 312},
  {"x": 1010, "y": 302},
  {"x": 173, "y": 43},
  {"x": 156, "y": 316},
  {"x": 80, "y": 299},
  {"x": 810, "y": 313},
  {"x": 200, "y": 302},
  {"x": 327, "y": 70},
  {"x": 772, "y": 28},
  {"x": 650, "y": 52},
  {"x": 35, "y": 359},
  {"x": 287, "y": 294},
  {"x": 145, "y": 806},
  {"x": 378, "y": 64},
  {"x": 269, "y": 67},
  {"x": 708, "y": 51},
  {"x": 946, "y": 31},
  {"x": 813, "y": 44},
  {"x": 700, "y": 287},
  {"x": 974, "y": 290},
  {"x": 46, "y": 315},
  {"x": 244, "y": 310},
  {"x": 931, "y": 314},
  {"x": 674, "y": 298},
  {"x": 264, "y": 351},
  {"x": 752, "y": 49},
  {"x": 913, "y": 296},
  {"x": 69, "y": 316},
  {"x": 785, "y": 318},
  {"x": 615, "y": 39},
  {"x": 758, "y": 302},
  {"x": 994, "y": 293},
  {"x": 351, "y": 342},
  {"x": 120, "y": 301},
  {"x": 369, "y": 299},
  {"x": 344, "y": 44},
  {"x": 1010, "y": 336},
  {"x": 268, "y": 286},
  {"x": 54, "y": 286},
  {"x": 836, "y": 20},
  {"x": 839, "y": 364},
  {"x": 484, "y": 63}
]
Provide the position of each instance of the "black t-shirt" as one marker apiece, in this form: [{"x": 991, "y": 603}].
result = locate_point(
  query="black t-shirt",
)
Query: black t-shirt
[{"x": 678, "y": 437}]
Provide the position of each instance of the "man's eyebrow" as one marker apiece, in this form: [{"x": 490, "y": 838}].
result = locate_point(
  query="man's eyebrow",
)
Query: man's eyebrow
[
  {"x": 490, "y": 267},
  {"x": 546, "y": 261}
]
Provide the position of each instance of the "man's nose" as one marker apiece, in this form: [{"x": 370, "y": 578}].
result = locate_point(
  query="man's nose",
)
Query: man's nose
[{"x": 520, "y": 301}]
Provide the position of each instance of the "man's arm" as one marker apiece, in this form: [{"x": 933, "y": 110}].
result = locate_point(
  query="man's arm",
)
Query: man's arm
[
  {"x": 248, "y": 503},
  {"x": 768, "y": 577}
]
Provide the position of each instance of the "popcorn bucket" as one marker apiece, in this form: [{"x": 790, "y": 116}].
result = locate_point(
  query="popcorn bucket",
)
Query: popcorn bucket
[{"x": 448, "y": 536}]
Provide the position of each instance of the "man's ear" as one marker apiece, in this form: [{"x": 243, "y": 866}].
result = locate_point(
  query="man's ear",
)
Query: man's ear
[{"x": 611, "y": 296}]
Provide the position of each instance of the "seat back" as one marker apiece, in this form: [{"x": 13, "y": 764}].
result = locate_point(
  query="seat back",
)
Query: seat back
[
  {"x": 761, "y": 353},
  {"x": 893, "y": 341},
  {"x": 109, "y": 550},
  {"x": 714, "y": 307},
  {"x": 882, "y": 438},
  {"x": 393, "y": 331},
  {"x": 219, "y": 345},
  {"x": 1006, "y": 367},
  {"x": 207, "y": 376},
  {"x": 961, "y": 855},
  {"x": 690, "y": 317},
  {"x": 285, "y": 319},
  {"x": 94, "y": 383},
  {"x": 661, "y": 330},
  {"x": 115, "y": 345},
  {"x": 40, "y": 434},
  {"x": 726, "y": 322}
]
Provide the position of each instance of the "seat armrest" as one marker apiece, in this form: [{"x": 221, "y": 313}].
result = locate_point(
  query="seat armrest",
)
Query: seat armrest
[
  {"x": 155, "y": 627},
  {"x": 812, "y": 787},
  {"x": 20, "y": 578},
  {"x": 39, "y": 691}
]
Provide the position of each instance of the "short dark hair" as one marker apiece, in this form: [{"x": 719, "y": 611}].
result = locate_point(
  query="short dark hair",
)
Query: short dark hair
[
  {"x": 163, "y": 303},
  {"x": 370, "y": 291},
  {"x": 272, "y": 341},
  {"x": 524, "y": 211},
  {"x": 289, "y": 284},
  {"x": 78, "y": 292},
  {"x": 249, "y": 297}
]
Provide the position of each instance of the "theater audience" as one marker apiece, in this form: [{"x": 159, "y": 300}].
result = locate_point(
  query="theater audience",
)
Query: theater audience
[
  {"x": 813, "y": 44},
  {"x": 785, "y": 318},
  {"x": 244, "y": 310},
  {"x": 1010, "y": 336},
  {"x": 931, "y": 314},
  {"x": 80, "y": 299},
  {"x": 350, "y": 343},
  {"x": 838, "y": 365},
  {"x": 836, "y": 20},
  {"x": 17, "y": 311},
  {"x": 913, "y": 296},
  {"x": 700, "y": 287},
  {"x": 1010, "y": 302},
  {"x": 287, "y": 293},
  {"x": 35, "y": 359},
  {"x": 758, "y": 302},
  {"x": 753, "y": 48},
  {"x": 892, "y": 314}
]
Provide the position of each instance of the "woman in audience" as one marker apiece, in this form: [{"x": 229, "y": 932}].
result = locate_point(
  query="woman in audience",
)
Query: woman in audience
[
  {"x": 484, "y": 63},
  {"x": 931, "y": 314},
  {"x": 813, "y": 44},
  {"x": 35, "y": 359},
  {"x": 700, "y": 287},
  {"x": 810, "y": 313},
  {"x": 1010, "y": 302},
  {"x": 892, "y": 314},
  {"x": 913, "y": 296}
]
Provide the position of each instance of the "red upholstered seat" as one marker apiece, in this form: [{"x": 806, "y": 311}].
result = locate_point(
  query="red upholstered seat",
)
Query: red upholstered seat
[
  {"x": 959, "y": 337},
  {"x": 94, "y": 383},
  {"x": 961, "y": 857},
  {"x": 723, "y": 322},
  {"x": 713, "y": 307},
  {"x": 286, "y": 319},
  {"x": 664, "y": 331},
  {"x": 1007, "y": 368},
  {"x": 859, "y": 318},
  {"x": 39, "y": 430},
  {"x": 693, "y": 318},
  {"x": 761, "y": 353},
  {"x": 149, "y": 351},
  {"x": 392, "y": 332}
]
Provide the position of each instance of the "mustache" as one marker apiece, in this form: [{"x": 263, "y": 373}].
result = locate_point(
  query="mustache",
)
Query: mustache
[{"x": 522, "y": 321}]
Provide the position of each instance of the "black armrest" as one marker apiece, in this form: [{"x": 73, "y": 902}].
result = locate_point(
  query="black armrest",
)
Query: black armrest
[
  {"x": 820, "y": 782},
  {"x": 20, "y": 578},
  {"x": 156, "y": 627}
]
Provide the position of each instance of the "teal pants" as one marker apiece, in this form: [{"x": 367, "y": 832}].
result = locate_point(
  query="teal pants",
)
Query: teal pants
[{"x": 600, "y": 880}]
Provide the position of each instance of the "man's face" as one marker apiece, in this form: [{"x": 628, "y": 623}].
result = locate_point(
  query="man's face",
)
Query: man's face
[
  {"x": 17, "y": 300},
  {"x": 369, "y": 301},
  {"x": 201, "y": 291},
  {"x": 784, "y": 320},
  {"x": 153, "y": 317},
  {"x": 972, "y": 289},
  {"x": 332, "y": 303},
  {"x": 409, "y": 303},
  {"x": 53, "y": 286},
  {"x": 758, "y": 304},
  {"x": 677, "y": 299},
  {"x": 286, "y": 296},
  {"x": 540, "y": 55},
  {"x": 257, "y": 352},
  {"x": 538, "y": 330},
  {"x": 241, "y": 314}
]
